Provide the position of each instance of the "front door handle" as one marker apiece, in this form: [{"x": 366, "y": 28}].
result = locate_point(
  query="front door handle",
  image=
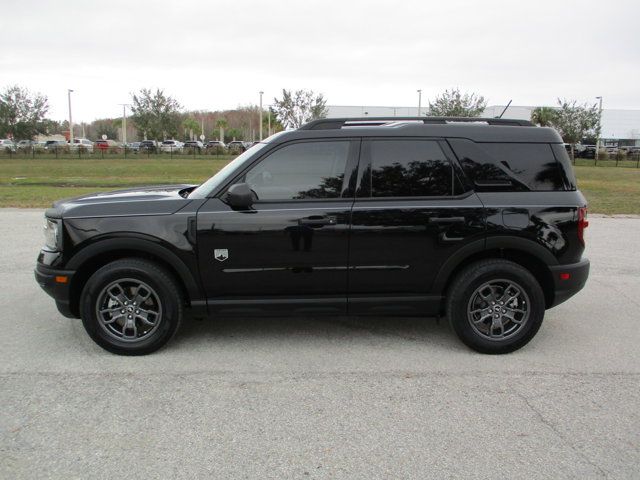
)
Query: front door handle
[{"x": 318, "y": 221}]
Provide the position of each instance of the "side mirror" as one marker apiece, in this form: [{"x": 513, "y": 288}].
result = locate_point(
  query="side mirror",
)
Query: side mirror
[{"x": 239, "y": 196}]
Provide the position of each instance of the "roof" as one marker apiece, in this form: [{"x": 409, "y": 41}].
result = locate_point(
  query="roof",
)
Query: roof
[{"x": 476, "y": 129}]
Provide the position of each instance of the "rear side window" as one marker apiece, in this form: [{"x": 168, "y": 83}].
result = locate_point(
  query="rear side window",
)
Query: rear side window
[
  {"x": 410, "y": 168},
  {"x": 509, "y": 166}
]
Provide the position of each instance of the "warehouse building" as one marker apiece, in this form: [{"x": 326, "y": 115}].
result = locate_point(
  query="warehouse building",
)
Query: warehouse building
[{"x": 619, "y": 127}]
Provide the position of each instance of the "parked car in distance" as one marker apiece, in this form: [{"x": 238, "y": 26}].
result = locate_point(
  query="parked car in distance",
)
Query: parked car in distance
[
  {"x": 82, "y": 143},
  {"x": 215, "y": 144},
  {"x": 7, "y": 145},
  {"x": 148, "y": 146},
  {"x": 54, "y": 144},
  {"x": 237, "y": 145},
  {"x": 611, "y": 150},
  {"x": 134, "y": 147},
  {"x": 174, "y": 146},
  {"x": 633, "y": 151},
  {"x": 479, "y": 221},
  {"x": 25, "y": 144},
  {"x": 193, "y": 145},
  {"x": 587, "y": 151},
  {"x": 106, "y": 144}
]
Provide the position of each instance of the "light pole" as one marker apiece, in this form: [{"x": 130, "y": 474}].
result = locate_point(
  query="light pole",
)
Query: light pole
[
  {"x": 124, "y": 122},
  {"x": 70, "y": 120},
  {"x": 419, "y": 101},
  {"x": 269, "y": 122},
  {"x": 261, "y": 115},
  {"x": 599, "y": 128}
]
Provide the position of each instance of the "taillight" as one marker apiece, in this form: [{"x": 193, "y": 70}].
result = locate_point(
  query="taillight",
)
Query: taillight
[{"x": 582, "y": 223}]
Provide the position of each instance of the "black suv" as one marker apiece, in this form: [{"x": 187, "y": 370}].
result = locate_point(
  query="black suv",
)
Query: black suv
[{"x": 475, "y": 219}]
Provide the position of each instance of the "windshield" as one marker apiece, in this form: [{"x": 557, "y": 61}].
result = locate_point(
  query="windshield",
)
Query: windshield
[{"x": 214, "y": 182}]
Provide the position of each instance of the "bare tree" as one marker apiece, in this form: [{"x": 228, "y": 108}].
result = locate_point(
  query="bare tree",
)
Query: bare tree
[{"x": 299, "y": 107}]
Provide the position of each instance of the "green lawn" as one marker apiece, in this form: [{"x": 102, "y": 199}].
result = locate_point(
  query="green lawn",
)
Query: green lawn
[
  {"x": 37, "y": 182},
  {"x": 610, "y": 190}
]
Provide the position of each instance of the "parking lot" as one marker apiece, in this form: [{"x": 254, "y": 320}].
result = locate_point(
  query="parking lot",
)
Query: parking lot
[{"x": 324, "y": 397}]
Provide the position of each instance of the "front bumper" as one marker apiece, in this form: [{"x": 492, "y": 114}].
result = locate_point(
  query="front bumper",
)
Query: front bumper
[
  {"x": 568, "y": 280},
  {"x": 49, "y": 279}
]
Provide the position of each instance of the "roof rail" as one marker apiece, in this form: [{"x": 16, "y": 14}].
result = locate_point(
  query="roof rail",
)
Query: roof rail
[{"x": 336, "y": 123}]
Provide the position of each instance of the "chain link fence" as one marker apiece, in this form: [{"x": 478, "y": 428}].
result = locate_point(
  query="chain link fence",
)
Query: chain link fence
[{"x": 65, "y": 152}]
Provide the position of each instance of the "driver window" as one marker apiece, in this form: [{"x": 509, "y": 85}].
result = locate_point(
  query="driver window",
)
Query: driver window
[{"x": 300, "y": 171}]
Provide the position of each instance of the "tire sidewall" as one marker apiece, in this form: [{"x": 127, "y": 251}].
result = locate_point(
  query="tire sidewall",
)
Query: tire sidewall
[
  {"x": 152, "y": 276},
  {"x": 482, "y": 273}
]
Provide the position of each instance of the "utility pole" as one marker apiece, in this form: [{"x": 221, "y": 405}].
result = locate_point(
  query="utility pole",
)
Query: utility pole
[
  {"x": 70, "y": 119},
  {"x": 124, "y": 122},
  {"x": 599, "y": 129},
  {"x": 269, "y": 122},
  {"x": 261, "y": 115},
  {"x": 419, "y": 101}
]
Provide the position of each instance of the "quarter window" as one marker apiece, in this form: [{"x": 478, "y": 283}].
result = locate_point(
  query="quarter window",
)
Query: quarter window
[
  {"x": 509, "y": 166},
  {"x": 409, "y": 168},
  {"x": 301, "y": 171}
]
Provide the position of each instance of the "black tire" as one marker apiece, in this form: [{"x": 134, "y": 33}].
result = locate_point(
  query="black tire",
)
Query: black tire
[
  {"x": 463, "y": 297},
  {"x": 166, "y": 298}
]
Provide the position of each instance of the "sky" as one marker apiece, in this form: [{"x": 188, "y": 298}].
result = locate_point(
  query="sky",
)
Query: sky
[{"x": 212, "y": 55}]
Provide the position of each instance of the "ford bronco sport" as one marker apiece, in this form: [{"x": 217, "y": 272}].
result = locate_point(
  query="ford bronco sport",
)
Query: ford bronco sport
[{"x": 478, "y": 220}]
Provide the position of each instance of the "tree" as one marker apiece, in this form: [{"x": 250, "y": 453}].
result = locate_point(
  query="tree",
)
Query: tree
[
  {"x": 221, "y": 123},
  {"x": 456, "y": 104},
  {"x": 574, "y": 121},
  {"x": 22, "y": 113},
  {"x": 104, "y": 126},
  {"x": 297, "y": 108},
  {"x": 543, "y": 116},
  {"x": 155, "y": 114},
  {"x": 191, "y": 125}
]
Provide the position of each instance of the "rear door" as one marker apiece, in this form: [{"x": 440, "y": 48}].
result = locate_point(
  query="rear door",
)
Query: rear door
[{"x": 410, "y": 215}]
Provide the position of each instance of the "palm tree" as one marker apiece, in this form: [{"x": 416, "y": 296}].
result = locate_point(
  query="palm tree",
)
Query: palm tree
[
  {"x": 190, "y": 125},
  {"x": 543, "y": 116},
  {"x": 221, "y": 123}
]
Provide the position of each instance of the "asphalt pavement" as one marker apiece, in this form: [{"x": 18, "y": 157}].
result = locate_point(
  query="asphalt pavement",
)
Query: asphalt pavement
[{"x": 356, "y": 398}]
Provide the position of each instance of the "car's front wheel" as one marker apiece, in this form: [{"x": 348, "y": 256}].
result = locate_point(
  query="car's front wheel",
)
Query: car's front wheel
[
  {"x": 495, "y": 306},
  {"x": 131, "y": 306}
]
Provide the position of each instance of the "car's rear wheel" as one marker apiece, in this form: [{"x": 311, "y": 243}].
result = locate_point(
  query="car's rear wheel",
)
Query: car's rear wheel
[
  {"x": 131, "y": 306},
  {"x": 495, "y": 306}
]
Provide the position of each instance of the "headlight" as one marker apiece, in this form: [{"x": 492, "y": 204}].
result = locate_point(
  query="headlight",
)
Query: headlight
[{"x": 51, "y": 234}]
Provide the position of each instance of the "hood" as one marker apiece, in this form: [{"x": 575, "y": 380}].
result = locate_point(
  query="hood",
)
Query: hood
[{"x": 153, "y": 200}]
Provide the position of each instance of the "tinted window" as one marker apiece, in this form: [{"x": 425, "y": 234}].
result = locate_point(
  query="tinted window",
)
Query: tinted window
[
  {"x": 509, "y": 166},
  {"x": 409, "y": 168},
  {"x": 301, "y": 170}
]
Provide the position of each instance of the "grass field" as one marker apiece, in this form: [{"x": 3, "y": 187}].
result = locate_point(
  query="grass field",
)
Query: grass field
[{"x": 38, "y": 182}]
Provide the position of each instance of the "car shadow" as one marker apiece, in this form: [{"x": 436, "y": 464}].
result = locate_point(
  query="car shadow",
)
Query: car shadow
[{"x": 347, "y": 328}]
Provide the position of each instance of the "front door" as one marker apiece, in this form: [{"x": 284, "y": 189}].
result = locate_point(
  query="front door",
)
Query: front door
[{"x": 289, "y": 252}]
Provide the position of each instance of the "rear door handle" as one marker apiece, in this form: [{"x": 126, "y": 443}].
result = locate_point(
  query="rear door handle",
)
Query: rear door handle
[{"x": 442, "y": 220}]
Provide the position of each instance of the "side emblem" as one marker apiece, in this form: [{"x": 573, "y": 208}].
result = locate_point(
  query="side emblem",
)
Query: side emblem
[{"x": 221, "y": 254}]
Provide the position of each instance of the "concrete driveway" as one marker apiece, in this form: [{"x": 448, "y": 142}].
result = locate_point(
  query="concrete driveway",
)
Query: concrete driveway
[{"x": 324, "y": 397}]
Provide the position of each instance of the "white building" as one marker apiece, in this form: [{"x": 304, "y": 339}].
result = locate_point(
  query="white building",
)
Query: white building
[{"x": 618, "y": 126}]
